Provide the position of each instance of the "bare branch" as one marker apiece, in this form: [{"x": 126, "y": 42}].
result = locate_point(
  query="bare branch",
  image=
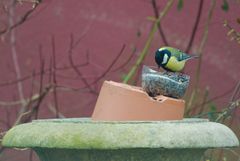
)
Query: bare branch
[
  {"x": 46, "y": 71},
  {"x": 197, "y": 20},
  {"x": 25, "y": 116},
  {"x": 200, "y": 53},
  {"x": 227, "y": 112},
  {"x": 156, "y": 12},
  {"x": 127, "y": 61},
  {"x": 144, "y": 52},
  {"x": 23, "y": 18},
  {"x": 204, "y": 40},
  {"x": 235, "y": 92},
  {"x": 110, "y": 66},
  {"x": 232, "y": 33},
  {"x": 76, "y": 69},
  {"x": 41, "y": 82},
  {"x": 54, "y": 79},
  {"x": 55, "y": 112},
  {"x": 14, "y": 51},
  {"x": 233, "y": 104},
  {"x": 212, "y": 99}
]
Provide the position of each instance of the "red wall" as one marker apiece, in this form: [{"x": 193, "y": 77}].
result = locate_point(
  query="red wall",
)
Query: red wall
[{"x": 104, "y": 27}]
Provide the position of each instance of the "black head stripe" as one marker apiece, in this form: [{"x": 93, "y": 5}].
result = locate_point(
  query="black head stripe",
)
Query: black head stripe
[{"x": 159, "y": 56}]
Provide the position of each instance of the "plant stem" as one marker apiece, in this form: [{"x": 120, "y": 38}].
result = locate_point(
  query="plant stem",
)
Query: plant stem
[
  {"x": 204, "y": 40},
  {"x": 144, "y": 52},
  {"x": 200, "y": 53},
  {"x": 15, "y": 55},
  {"x": 195, "y": 26},
  {"x": 155, "y": 9}
]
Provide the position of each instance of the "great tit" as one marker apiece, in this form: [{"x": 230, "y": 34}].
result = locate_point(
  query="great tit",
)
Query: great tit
[{"x": 172, "y": 59}]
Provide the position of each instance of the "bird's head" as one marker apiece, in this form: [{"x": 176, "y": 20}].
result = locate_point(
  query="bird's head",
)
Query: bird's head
[{"x": 162, "y": 56}]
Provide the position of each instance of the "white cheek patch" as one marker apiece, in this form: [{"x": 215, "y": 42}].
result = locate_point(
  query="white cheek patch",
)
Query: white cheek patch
[{"x": 165, "y": 59}]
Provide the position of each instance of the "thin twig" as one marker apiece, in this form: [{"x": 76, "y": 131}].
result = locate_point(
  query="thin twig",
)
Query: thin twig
[
  {"x": 197, "y": 20},
  {"x": 226, "y": 112},
  {"x": 110, "y": 66},
  {"x": 201, "y": 109},
  {"x": 212, "y": 99},
  {"x": 21, "y": 20},
  {"x": 53, "y": 110},
  {"x": 55, "y": 96},
  {"x": 205, "y": 114},
  {"x": 156, "y": 12},
  {"x": 36, "y": 97},
  {"x": 13, "y": 103},
  {"x": 14, "y": 53},
  {"x": 126, "y": 62},
  {"x": 41, "y": 81},
  {"x": 46, "y": 71},
  {"x": 144, "y": 52},
  {"x": 200, "y": 53},
  {"x": 204, "y": 41},
  {"x": 232, "y": 33},
  {"x": 25, "y": 116},
  {"x": 82, "y": 35},
  {"x": 89, "y": 85},
  {"x": 70, "y": 53},
  {"x": 233, "y": 104},
  {"x": 29, "y": 105},
  {"x": 235, "y": 92}
]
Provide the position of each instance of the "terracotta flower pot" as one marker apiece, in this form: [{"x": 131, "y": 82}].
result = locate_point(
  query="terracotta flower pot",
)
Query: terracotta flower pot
[{"x": 121, "y": 102}]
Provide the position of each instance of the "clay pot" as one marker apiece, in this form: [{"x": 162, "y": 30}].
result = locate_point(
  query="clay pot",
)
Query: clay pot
[{"x": 122, "y": 102}]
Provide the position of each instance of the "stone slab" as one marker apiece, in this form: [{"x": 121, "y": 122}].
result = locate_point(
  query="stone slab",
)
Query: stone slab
[{"x": 83, "y": 133}]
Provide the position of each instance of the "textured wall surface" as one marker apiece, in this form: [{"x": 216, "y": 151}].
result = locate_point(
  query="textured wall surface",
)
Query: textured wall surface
[{"x": 102, "y": 28}]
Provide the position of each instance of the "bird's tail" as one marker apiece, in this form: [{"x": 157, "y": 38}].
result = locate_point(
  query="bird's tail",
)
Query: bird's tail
[
  {"x": 194, "y": 56},
  {"x": 187, "y": 57}
]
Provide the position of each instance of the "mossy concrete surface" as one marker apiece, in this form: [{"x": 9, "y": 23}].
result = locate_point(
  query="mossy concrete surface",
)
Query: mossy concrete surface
[
  {"x": 88, "y": 134},
  {"x": 86, "y": 140}
]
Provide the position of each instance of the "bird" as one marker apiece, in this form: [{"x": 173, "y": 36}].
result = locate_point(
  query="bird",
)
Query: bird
[{"x": 172, "y": 59}]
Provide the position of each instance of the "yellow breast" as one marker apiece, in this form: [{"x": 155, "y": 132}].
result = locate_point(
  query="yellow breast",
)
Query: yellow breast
[{"x": 175, "y": 65}]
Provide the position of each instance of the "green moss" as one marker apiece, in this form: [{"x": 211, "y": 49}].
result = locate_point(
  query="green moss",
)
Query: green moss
[
  {"x": 87, "y": 134},
  {"x": 83, "y": 139}
]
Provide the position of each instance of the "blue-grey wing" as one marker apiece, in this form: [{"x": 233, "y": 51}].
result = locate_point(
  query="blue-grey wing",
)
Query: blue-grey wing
[{"x": 184, "y": 56}]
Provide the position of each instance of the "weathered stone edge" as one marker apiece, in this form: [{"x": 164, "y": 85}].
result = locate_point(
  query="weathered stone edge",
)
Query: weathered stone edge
[{"x": 103, "y": 135}]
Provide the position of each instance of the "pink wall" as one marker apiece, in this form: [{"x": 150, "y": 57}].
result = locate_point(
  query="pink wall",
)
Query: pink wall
[{"x": 106, "y": 26}]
